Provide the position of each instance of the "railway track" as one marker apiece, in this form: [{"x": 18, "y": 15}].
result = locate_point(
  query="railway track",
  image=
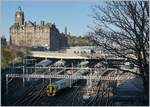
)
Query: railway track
[
  {"x": 34, "y": 96},
  {"x": 101, "y": 92},
  {"x": 103, "y": 98},
  {"x": 78, "y": 98},
  {"x": 75, "y": 96},
  {"x": 95, "y": 97},
  {"x": 33, "y": 99},
  {"x": 72, "y": 99},
  {"x": 67, "y": 100},
  {"x": 25, "y": 95},
  {"x": 37, "y": 97}
]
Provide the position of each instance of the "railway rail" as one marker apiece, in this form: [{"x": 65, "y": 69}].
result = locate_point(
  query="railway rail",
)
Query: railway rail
[{"x": 36, "y": 96}]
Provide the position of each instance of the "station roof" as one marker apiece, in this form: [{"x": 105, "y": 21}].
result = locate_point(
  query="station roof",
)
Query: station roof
[
  {"x": 60, "y": 62},
  {"x": 44, "y": 62},
  {"x": 84, "y": 63}
]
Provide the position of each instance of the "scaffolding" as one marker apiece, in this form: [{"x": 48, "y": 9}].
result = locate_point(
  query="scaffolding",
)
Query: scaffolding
[{"x": 89, "y": 78}]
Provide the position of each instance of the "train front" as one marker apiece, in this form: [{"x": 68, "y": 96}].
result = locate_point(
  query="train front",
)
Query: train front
[{"x": 51, "y": 90}]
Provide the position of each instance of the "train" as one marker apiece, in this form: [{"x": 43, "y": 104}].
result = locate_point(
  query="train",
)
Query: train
[
  {"x": 41, "y": 64},
  {"x": 61, "y": 84},
  {"x": 53, "y": 88}
]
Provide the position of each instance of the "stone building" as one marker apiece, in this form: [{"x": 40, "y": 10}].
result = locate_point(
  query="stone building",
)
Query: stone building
[{"x": 29, "y": 34}]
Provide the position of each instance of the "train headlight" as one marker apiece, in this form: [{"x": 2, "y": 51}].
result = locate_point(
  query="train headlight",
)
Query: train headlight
[{"x": 51, "y": 90}]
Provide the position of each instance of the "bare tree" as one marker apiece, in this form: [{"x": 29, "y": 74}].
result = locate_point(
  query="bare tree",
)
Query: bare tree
[{"x": 122, "y": 28}]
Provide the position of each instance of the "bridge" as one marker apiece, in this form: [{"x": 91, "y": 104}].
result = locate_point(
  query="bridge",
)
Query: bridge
[
  {"x": 57, "y": 76},
  {"x": 56, "y": 55},
  {"x": 65, "y": 55},
  {"x": 68, "y": 76}
]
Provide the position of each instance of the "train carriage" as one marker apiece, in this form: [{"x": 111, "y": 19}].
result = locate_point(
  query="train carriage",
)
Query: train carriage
[{"x": 67, "y": 82}]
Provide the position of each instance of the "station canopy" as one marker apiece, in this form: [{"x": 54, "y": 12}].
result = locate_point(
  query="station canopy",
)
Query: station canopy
[
  {"x": 44, "y": 62},
  {"x": 84, "y": 63},
  {"x": 60, "y": 63}
]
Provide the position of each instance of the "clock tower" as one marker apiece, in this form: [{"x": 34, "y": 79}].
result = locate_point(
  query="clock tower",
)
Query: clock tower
[{"x": 19, "y": 16}]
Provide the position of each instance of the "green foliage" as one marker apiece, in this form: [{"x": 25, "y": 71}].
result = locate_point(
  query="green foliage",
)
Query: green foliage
[
  {"x": 6, "y": 56},
  {"x": 79, "y": 41},
  {"x": 9, "y": 55},
  {"x": 20, "y": 54}
]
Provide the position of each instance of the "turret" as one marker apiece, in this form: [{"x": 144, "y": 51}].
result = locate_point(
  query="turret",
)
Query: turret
[{"x": 19, "y": 16}]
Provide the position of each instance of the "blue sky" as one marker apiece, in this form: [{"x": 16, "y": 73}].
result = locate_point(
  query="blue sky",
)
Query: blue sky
[{"x": 74, "y": 15}]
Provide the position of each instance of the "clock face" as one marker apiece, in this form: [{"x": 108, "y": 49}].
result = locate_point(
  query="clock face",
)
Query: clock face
[{"x": 18, "y": 15}]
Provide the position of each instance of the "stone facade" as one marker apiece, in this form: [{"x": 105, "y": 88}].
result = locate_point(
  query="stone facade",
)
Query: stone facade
[{"x": 29, "y": 34}]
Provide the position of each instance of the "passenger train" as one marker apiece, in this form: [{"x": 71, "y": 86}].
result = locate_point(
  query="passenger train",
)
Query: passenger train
[
  {"x": 44, "y": 63},
  {"x": 53, "y": 88}
]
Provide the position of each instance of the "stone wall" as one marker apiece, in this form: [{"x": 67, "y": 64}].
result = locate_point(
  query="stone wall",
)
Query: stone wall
[{"x": 28, "y": 34}]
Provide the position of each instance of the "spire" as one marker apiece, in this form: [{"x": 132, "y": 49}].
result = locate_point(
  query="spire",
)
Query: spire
[
  {"x": 66, "y": 31},
  {"x": 19, "y": 8}
]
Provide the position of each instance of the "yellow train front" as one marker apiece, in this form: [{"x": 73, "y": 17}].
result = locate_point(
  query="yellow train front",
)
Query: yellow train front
[{"x": 53, "y": 88}]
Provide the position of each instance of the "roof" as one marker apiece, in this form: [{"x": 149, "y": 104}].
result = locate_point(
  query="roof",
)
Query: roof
[
  {"x": 84, "y": 63},
  {"x": 60, "y": 62},
  {"x": 44, "y": 62}
]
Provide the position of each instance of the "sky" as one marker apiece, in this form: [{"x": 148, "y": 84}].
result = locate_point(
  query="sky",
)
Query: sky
[{"x": 72, "y": 14}]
